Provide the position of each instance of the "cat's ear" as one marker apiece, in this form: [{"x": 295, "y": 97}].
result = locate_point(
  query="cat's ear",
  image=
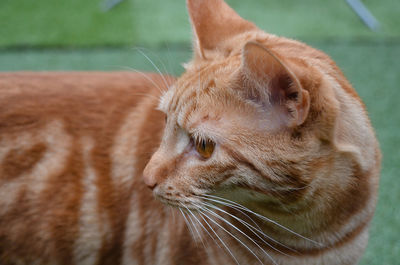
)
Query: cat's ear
[
  {"x": 214, "y": 22},
  {"x": 271, "y": 82}
]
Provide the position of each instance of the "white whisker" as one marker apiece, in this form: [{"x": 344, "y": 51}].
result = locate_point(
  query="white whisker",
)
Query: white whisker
[
  {"x": 169, "y": 60},
  {"x": 148, "y": 78},
  {"x": 205, "y": 229},
  {"x": 258, "y": 228},
  {"x": 187, "y": 223},
  {"x": 235, "y": 204},
  {"x": 194, "y": 225},
  {"x": 154, "y": 65},
  {"x": 215, "y": 233},
  {"x": 232, "y": 207},
  {"x": 232, "y": 235},
  {"x": 240, "y": 231},
  {"x": 253, "y": 229},
  {"x": 202, "y": 226}
]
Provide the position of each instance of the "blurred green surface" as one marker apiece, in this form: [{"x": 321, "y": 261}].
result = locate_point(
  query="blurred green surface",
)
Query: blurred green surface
[
  {"x": 372, "y": 68},
  {"x": 60, "y": 23},
  {"x": 167, "y": 60},
  {"x": 38, "y": 35},
  {"x": 44, "y": 23}
]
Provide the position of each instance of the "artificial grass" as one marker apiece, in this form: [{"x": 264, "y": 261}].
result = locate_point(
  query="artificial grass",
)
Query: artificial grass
[
  {"x": 374, "y": 71},
  {"x": 110, "y": 59},
  {"x": 314, "y": 19},
  {"x": 47, "y": 23},
  {"x": 80, "y": 23},
  {"x": 371, "y": 67}
]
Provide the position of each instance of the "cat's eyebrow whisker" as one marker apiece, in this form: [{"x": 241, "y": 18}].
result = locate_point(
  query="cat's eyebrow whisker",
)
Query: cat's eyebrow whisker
[
  {"x": 168, "y": 59},
  {"x": 159, "y": 60},
  {"x": 235, "y": 204},
  {"x": 219, "y": 238},
  {"x": 154, "y": 65},
  {"x": 148, "y": 78},
  {"x": 253, "y": 230},
  {"x": 240, "y": 231}
]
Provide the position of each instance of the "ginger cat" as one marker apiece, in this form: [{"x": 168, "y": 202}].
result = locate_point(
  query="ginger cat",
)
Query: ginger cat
[{"x": 260, "y": 153}]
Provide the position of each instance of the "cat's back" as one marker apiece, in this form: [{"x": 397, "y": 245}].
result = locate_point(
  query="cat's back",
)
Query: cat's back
[
  {"x": 69, "y": 158},
  {"x": 80, "y": 99}
]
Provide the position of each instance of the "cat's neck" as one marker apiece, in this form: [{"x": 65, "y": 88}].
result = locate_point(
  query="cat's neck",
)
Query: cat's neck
[{"x": 299, "y": 227}]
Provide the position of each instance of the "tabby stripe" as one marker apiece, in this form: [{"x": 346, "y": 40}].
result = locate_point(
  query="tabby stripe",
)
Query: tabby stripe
[
  {"x": 180, "y": 96},
  {"x": 224, "y": 172},
  {"x": 240, "y": 159},
  {"x": 92, "y": 226},
  {"x": 56, "y": 202},
  {"x": 10, "y": 186},
  {"x": 34, "y": 224},
  {"x": 183, "y": 116},
  {"x": 187, "y": 106},
  {"x": 132, "y": 234},
  {"x": 287, "y": 195}
]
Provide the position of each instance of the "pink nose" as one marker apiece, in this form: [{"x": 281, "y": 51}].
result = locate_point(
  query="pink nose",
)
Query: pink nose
[
  {"x": 151, "y": 183},
  {"x": 149, "y": 179}
]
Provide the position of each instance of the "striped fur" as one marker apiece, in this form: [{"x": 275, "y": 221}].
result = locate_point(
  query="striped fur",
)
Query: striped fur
[{"x": 292, "y": 180}]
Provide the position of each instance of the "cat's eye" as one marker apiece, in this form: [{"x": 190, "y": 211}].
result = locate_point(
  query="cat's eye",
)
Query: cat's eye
[{"x": 204, "y": 147}]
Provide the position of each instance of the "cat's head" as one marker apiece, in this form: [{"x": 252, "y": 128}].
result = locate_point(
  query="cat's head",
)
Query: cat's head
[{"x": 239, "y": 118}]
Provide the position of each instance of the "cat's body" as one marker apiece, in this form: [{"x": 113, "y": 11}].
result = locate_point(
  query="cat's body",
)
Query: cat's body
[
  {"x": 69, "y": 156},
  {"x": 256, "y": 119}
]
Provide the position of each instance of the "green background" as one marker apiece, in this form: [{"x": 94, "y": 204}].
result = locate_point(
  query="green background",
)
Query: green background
[{"x": 80, "y": 35}]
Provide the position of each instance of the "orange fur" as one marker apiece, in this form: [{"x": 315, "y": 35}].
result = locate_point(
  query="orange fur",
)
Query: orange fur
[{"x": 293, "y": 143}]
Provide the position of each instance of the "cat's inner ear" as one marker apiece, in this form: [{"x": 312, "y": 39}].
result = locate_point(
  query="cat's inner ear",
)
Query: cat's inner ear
[
  {"x": 214, "y": 22},
  {"x": 270, "y": 82}
]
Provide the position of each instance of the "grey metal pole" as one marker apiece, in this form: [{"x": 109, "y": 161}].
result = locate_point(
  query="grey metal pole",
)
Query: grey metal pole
[
  {"x": 365, "y": 15},
  {"x": 109, "y": 4}
]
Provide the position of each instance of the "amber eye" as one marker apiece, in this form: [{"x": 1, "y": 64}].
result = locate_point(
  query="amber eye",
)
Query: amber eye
[{"x": 204, "y": 147}]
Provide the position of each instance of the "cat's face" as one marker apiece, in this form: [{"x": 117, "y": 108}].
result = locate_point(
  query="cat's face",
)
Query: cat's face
[
  {"x": 206, "y": 123},
  {"x": 216, "y": 139},
  {"x": 232, "y": 121}
]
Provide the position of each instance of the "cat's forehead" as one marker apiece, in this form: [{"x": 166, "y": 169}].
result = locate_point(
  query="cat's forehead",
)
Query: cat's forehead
[
  {"x": 195, "y": 85},
  {"x": 181, "y": 94}
]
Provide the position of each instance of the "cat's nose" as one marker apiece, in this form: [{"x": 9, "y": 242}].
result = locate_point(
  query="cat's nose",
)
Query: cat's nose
[
  {"x": 149, "y": 179},
  {"x": 156, "y": 170},
  {"x": 151, "y": 183}
]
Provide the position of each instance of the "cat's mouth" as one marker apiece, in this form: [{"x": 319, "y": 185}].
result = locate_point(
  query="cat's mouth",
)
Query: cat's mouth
[{"x": 186, "y": 202}]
